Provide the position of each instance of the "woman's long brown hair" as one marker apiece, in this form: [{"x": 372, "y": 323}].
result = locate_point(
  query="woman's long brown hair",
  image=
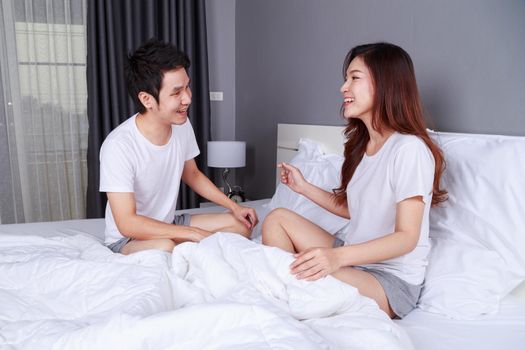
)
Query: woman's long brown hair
[{"x": 397, "y": 106}]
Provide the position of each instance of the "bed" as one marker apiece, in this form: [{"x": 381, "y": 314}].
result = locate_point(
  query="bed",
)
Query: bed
[
  {"x": 484, "y": 312},
  {"x": 60, "y": 288}
]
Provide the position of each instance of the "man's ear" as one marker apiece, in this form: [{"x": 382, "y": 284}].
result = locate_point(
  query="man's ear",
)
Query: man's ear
[{"x": 147, "y": 100}]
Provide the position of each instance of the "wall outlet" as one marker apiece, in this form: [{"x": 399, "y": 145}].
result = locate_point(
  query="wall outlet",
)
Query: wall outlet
[{"x": 216, "y": 96}]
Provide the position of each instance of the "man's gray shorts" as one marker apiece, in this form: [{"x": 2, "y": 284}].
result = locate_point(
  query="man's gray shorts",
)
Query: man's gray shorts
[{"x": 116, "y": 247}]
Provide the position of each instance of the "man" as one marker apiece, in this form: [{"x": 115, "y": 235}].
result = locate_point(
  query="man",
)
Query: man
[{"x": 143, "y": 160}]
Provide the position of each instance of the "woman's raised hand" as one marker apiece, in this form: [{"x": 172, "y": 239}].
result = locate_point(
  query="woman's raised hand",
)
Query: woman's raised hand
[{"x": 292, "y": 177}]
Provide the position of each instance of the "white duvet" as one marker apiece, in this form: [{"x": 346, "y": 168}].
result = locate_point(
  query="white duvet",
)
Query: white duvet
[{"x": 223, "y": 293}]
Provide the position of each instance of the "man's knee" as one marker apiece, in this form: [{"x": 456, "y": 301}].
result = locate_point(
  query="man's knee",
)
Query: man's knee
[
  {"x": 236, "y": 226},
  {"x": 241, "y": 228}
]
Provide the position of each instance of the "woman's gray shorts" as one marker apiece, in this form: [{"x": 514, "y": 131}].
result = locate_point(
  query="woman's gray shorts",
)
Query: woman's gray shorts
[
  {"x": 116, "y": 247},
  {"x": 402, "y": 296},
  {"x": 338, "y": 242}
]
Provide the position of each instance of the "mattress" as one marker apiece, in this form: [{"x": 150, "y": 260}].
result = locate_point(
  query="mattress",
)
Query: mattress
[
  {"x": 95, "y": 227},
  {"x": 505, "y": 330}
]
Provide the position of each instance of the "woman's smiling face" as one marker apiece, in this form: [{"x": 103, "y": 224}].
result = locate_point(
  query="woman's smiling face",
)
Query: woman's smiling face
[{"x": 358, "y": 91}]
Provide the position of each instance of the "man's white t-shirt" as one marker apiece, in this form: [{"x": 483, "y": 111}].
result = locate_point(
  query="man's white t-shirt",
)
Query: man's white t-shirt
[
  {"x": 402, "y": 168},
  {"x": 131, "y": 163}
]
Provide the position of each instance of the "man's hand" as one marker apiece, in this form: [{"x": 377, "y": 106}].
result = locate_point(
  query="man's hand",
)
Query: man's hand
[
  {"x": 315, "y": 263},
  {"x": 247, "y": 216},
  {"x": 197, "y": 234}
]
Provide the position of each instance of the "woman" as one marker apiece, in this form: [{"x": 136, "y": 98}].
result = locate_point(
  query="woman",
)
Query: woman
[{"x": 390, "y": 178}]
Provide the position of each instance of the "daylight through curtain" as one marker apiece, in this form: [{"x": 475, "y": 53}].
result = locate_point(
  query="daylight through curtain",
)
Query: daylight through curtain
[{"x": 43, "y": 122}]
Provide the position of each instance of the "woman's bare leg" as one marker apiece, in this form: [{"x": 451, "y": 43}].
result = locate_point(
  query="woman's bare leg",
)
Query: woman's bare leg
[
  {"x": 366, "y": 284},
  {"x": 291, "y": 232}
]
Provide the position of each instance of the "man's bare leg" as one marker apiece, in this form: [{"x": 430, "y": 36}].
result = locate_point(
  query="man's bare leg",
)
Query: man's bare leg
[
  {"x": 136, "y": 245},
  {"x": 224, "y": 222},
  {"x": 210, "y": 222}
]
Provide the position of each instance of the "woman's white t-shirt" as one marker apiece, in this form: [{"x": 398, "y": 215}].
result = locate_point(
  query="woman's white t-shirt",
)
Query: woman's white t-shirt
[
  {"x": 401, "y": 169},
  {"x": 131, "y": 163}
]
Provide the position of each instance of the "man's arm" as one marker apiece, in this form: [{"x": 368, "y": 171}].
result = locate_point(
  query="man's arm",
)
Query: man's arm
[
  {"x": 141, "y": 227},
  {"x": 193, "y": 177}
]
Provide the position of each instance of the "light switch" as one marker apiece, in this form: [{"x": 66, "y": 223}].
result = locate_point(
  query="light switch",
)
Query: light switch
[{"x": 215, "y": 95}]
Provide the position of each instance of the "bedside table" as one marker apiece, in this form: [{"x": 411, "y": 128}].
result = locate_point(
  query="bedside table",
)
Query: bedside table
[
  {"x": 207, "y": 205},
  {"x": 211, "y": 204}
]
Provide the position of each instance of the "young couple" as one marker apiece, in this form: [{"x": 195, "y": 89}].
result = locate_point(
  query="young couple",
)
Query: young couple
[{"x": 390, "y": 177}]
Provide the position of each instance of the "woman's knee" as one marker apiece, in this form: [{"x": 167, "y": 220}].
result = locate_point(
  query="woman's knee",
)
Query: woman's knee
[{"x": 277, "y": 216}]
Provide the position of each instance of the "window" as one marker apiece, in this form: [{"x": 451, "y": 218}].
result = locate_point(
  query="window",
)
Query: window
[{"x": 45, "y": 98}]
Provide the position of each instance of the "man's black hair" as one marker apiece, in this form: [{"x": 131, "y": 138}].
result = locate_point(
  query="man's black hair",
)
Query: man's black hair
[{"x": 146, "y": 66}]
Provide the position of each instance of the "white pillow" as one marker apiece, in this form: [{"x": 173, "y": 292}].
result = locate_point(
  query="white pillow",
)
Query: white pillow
[
  {"x": 478, "y": 235},
  {"x": 321, "y": 170},
  {"x": 463, "y": 281}
]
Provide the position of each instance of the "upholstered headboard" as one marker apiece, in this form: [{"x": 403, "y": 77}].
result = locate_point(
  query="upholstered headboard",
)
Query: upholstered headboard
[{"x": 331, "y": 139}]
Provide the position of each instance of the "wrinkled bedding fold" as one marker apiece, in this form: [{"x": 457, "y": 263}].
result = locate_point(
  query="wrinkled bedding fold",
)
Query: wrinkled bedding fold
[{"x": 224, "y": 293}]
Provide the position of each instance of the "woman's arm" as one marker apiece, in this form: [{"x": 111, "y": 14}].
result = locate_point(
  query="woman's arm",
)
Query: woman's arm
[
  {"x": 292, "y": 177},
  {"x": 409, "y": 215},
  {"x": 315, "y": 263}
]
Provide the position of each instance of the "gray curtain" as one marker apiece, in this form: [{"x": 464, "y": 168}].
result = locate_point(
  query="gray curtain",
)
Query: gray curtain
[{"x": 115, "y": 28}]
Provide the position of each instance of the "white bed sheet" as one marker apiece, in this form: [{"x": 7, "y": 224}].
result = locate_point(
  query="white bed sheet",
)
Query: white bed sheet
[
  {"x": 505, "y": 330},
  {"x": 86, "y": 227}
]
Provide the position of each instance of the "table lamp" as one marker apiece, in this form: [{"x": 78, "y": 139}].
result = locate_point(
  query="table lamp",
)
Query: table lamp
[{"x": 228, "y": 154}]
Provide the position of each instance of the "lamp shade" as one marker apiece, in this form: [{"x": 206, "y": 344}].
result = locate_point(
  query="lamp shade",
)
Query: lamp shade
[{"x": 226, "y": 154}]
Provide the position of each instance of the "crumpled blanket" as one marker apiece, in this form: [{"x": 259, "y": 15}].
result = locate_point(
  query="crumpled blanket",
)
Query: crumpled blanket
[{"x": 225, "y": 292}]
